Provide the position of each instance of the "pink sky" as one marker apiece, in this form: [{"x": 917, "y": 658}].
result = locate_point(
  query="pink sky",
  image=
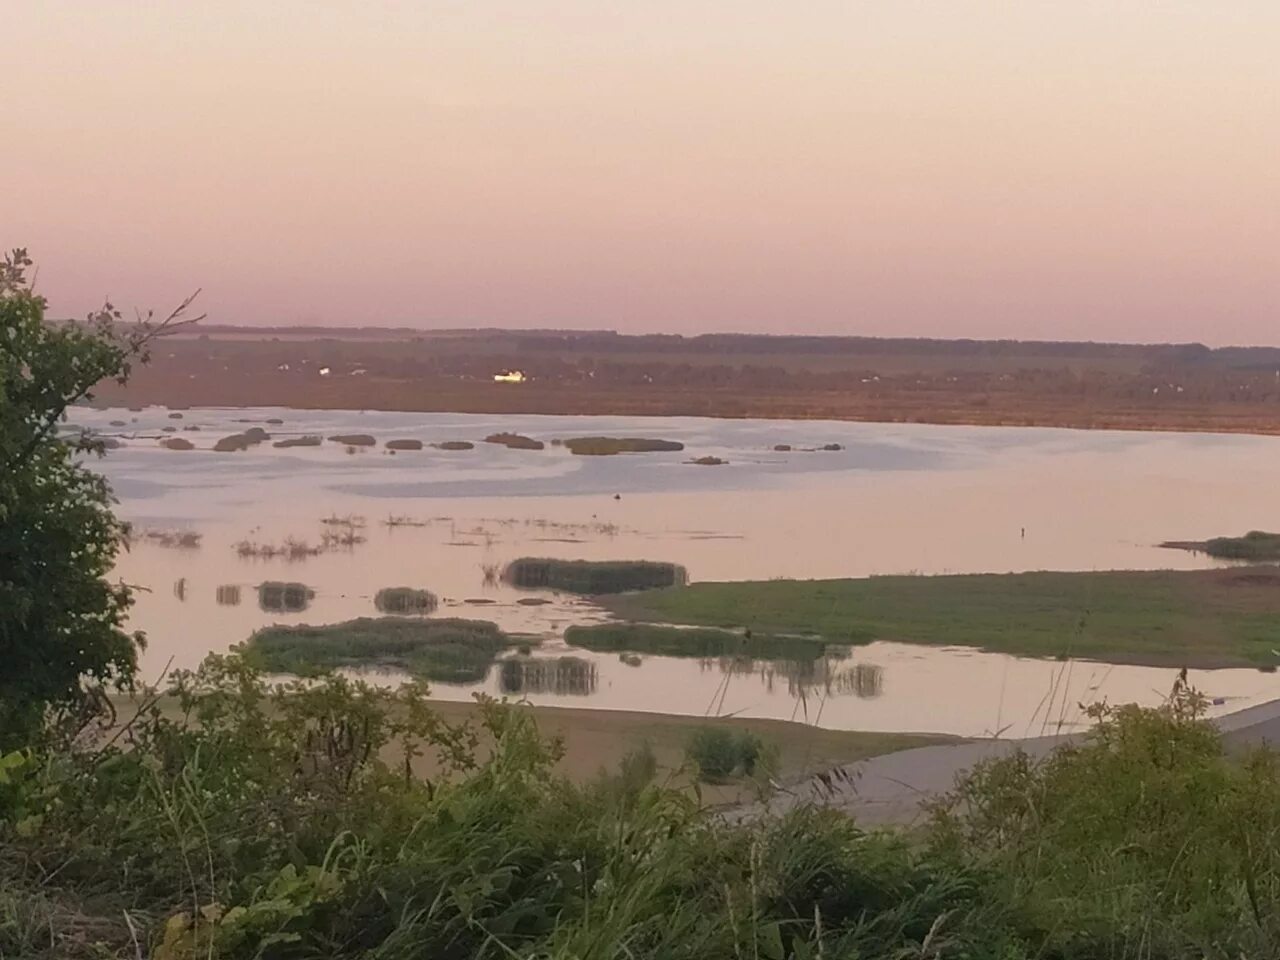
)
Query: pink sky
[{"x": 1062, "y": 170}]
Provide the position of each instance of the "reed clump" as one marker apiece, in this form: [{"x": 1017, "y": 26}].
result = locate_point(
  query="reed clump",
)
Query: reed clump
[
  {"x": 593, "y": 576},
  {"x": 405, "y": 600},
  {"x": 446, "y": 649}
]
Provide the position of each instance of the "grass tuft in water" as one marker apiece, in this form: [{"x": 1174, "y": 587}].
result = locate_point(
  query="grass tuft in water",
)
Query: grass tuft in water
[{"x": 448, "y": 649}]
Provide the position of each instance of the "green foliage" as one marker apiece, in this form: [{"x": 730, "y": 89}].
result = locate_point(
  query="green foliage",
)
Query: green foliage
[
  {"x": 330, "y": 819},
  {"x": 1144, "y": 840},
  {"x": 608, "y": 446},
  {"x": 593, "y": 576},
  {"x": 404, "y": 600},
  {"x": 61, "y": 622},
  {"x": 1205, "y": 618},
  {"x": 691, "y": 641},
  {"x": 280, "y": 597},
  {"x": 1254, "y": 545},
  {"x": 720, "y": 753},
  {"x": 446, "y": 649}
]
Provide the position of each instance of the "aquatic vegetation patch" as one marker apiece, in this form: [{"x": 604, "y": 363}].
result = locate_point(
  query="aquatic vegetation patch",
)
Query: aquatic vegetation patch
[
  {"x": 1256, "y": 545},
  {"x": 593, "y": 576},
  {"x": 447, "y": 649},
  {"x": 608, "y": 446},
  {"x": 515, "y": 441},
  {"x": 306, "y": 441},
  {"x": 454, "y": 445},
  {"x": 276, "y": 596},
  {"x": 669, "y": 641},
  {"x": 404, "y": 444},
  {"x": 354, "y": 439},
  {"x": 405, "y": 600}
]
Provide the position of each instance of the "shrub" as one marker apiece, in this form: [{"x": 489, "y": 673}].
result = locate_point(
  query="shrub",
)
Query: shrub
[{"x": 719, "y": 753}]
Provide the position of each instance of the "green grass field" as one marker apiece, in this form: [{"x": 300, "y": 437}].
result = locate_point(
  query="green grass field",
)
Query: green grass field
[{"x": 1210, "y": 618}]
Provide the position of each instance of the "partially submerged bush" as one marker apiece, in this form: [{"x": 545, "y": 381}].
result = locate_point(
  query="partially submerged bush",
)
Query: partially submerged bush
[
  {"x": 307, "y": 441},
  {"x": 233, "y": 443},
  {"x": 690, "y": 642},
  {"x": 447, "y": 649},
  {"x": 515, "y": 441},
  {"x": 405, "y": 600},
  {"x": 593, "y": 576},
  {"x": 354, "y": 439},
  {"x": 607, "y": 446},
  {"x": 275, "y": 596}
]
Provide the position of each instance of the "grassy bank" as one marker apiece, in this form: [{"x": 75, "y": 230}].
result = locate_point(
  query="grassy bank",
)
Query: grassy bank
[
  {"x": 446, "y": 649},
  {"x": 1257, "y": 546},
  {"x": 1207, "y": 618}
]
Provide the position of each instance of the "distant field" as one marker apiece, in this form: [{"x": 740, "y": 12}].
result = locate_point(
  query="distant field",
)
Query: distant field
[
  {"x": 1213, "y": 618},
  {"x": 1120, "y": 386}
]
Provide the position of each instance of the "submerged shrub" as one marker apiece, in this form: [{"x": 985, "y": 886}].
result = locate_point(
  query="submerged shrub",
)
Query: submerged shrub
[
  {"x": 275, "y": 596},
  {"x": 607, "y": 446},
  {"x": 593, "y": 576},
  {"x": 404, "y": 600},
  {"x": 446, "y": 649}
]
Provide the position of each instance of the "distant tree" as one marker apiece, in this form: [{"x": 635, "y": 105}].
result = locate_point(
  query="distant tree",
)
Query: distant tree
[{"x": 62, "y": 629}]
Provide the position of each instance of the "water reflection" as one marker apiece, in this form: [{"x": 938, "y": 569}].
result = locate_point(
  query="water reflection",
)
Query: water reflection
[
  {"x": 228, "y": 595},
  {"x": 829, "y": 675},
  {"x": 541, "y": 675}
]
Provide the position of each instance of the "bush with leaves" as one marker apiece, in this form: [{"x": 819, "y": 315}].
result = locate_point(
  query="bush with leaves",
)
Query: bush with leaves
[{"x": 61, "y": 622}]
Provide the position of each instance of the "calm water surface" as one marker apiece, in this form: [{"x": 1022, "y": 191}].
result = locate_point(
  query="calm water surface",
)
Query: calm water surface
[{"x": 896, "y": 499}]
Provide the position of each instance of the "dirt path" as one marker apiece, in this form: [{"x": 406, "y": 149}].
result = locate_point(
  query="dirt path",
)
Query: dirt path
[{"x": 892, "y": 788}]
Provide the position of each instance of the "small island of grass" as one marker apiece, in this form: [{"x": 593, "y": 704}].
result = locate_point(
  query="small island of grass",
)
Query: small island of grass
[
  {"x": 275, "y": 596},
  {"x": 448, "y": 650},
  {"x": 515, "y": 441},
  {"x": 307, "y": 441},
  {"x": 354, "y": 439},
  {"x": 609, "y": 446},
  {"x": 1256, "y": 545},
  {"x": 405, "y": 600},
  {"x": 593, "y": 576}
]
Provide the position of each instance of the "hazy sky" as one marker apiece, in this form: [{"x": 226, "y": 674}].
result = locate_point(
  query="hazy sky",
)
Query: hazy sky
[{"x": 1060, "y": 169}]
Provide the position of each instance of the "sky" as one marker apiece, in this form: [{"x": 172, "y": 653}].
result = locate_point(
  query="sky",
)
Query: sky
[{"x": 1038, "y": 170}]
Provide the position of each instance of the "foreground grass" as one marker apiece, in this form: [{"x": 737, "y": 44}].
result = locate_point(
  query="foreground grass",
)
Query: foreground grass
[
  {"x": 1209, "y": 618},
  {"x": 297, "y": 823},
  {"x": 445, "y": 649}
]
